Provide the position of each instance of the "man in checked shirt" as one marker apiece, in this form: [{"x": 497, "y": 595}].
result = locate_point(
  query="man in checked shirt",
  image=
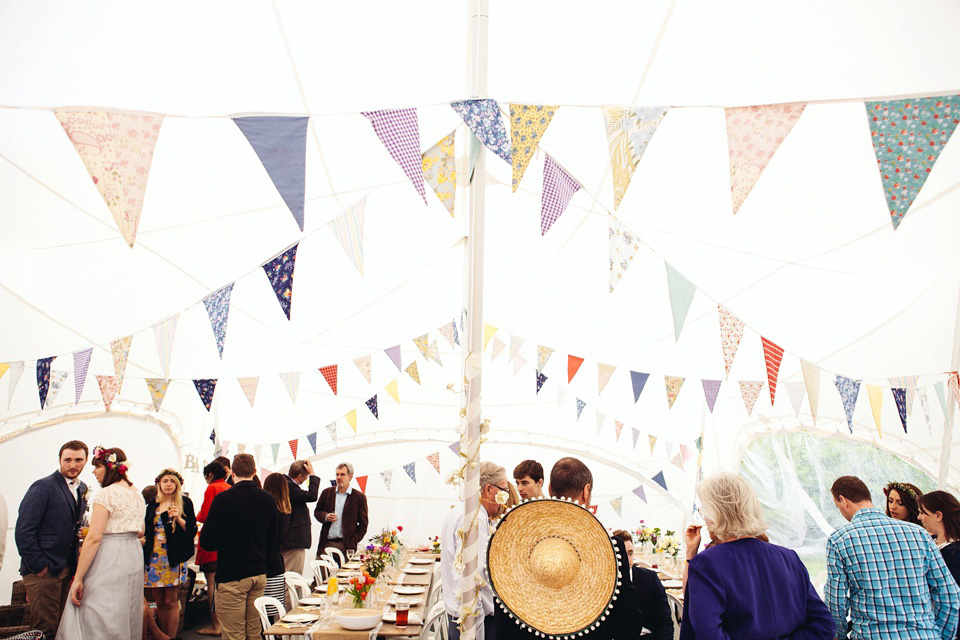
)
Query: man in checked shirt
[{"x": 886, "y": 575}]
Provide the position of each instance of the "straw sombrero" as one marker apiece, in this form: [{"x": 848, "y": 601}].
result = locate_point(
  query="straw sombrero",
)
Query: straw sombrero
[{"x": 553, "y": 567}]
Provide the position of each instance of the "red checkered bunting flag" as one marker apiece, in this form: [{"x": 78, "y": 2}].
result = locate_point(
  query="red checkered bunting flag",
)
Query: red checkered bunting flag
[
  {"x": 399, "y": 132},
  {"x": 330, "y": 375},
  {"x": 772, "y": 355},
  {"x": 558, "y": 188},
  {"x": 293, "y": 446}
]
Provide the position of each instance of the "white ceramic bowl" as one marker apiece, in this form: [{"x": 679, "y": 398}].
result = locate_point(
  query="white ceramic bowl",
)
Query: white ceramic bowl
[{"x": 358, "y": 619}]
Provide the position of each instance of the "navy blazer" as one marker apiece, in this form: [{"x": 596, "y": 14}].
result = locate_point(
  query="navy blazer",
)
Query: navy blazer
[
  {"x": 47, "y": 524},
  {"x": 655, "y": 612}
]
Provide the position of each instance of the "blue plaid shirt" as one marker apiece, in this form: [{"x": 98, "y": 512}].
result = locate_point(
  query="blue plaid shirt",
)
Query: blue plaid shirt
[{"x": 890, "y": 578}]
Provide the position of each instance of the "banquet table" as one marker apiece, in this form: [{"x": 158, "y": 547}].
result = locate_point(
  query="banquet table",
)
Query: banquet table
[{"x": 387, "y": 630}]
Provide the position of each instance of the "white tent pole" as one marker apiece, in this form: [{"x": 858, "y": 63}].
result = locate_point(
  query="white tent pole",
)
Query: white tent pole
[
  {"x": 477, "y": 17},
  {"x": 951, "y": 405}
]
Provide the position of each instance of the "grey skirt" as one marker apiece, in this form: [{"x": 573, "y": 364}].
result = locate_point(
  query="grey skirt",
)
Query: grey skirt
[{"x": 112, "y": 606}]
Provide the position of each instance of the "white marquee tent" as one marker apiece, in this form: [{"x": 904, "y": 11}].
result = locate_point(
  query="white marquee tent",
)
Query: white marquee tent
[{"x": 810, "y": 262}]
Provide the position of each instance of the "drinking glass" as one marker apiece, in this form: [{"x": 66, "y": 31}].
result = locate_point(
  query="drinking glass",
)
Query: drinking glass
[{"x": 403, "y": 612}]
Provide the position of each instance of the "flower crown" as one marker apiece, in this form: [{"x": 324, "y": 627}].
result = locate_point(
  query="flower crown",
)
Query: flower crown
[
  {"x": 901, "y": 489},
  {"x": 109, "y": 460},
  {"x": 168, "y": 472}
]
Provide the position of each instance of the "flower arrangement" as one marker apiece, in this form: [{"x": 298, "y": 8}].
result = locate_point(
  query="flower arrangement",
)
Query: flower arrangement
[
  {"x": 388, "y": 538},
  {"x": 435, "y": 544},
  {"x": 359, "y": 589},
  {"x": 644, "y": 534},
  {"x": 374, "y": 559},
  {"x": 668, "y": 544}
]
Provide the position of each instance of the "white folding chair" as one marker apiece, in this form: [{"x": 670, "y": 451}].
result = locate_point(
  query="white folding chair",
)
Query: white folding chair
[
  {"x": 326, "y": 557},
  {"x": 436, "y": 588},
  {"x": 297, "y": 588},
  {"x": 261, "y": 605},
  {"x": 435, "y": 626},
  {"x": 321, "y": 570},
  {"x": 336, "y": 553}
]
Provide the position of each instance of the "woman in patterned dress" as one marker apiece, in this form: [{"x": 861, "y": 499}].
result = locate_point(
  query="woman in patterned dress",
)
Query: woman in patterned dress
[
  {"x": 170, "y": 527},
  {"x": 106, "y": 597}
]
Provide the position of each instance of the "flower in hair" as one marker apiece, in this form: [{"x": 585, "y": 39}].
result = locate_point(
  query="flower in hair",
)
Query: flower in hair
[
  {"x": 901, "y": 489},
  {"x": 168, "y": 472}
]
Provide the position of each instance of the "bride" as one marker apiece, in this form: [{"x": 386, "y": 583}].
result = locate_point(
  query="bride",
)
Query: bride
[{"x": 106, "y": 598}]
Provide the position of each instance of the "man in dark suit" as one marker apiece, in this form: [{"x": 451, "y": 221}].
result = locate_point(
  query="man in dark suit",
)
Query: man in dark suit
[
  {"x": 242, "y": 528},
  {"x": 46, "y": 537},
  {"x": 343, "y": 513},
  {"x": 299, "y": 536},
  {"x": 655, "y": 613}
]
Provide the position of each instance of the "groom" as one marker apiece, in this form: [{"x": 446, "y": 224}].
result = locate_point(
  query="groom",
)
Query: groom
[{"x": 46, "y": 537}]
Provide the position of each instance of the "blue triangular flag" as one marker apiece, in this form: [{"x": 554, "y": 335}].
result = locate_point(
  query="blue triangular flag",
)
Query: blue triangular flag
[
  {"x": 580, "y": 406},
  {"x": 456, "y": 334},
  {"x": 372, "y": 405},
  {"x": 681, "y": 295},
  {"x": 900, "y": 398},
  {"x": 217, "y": 305},
  {"x": 849, "y": 390},
  {"x": 281, "y": 145},
  {"x": 710, "y": 390},
  {"x": 280, "y": 274},
  {"x": 540, "y": 380},
  {"x": 206, "y": 388},
  {"x": 639, "y": 380},
  {"x": 43, "y": 378},
  {"x": 484, "y": 120},
  {"x": 411, "y": 469},
  {"x": 312, "y": 439},
  {"x": 455, "y": 447},
  {"x": 659, "y": 479},
  {"x": 640, "y": 493}
]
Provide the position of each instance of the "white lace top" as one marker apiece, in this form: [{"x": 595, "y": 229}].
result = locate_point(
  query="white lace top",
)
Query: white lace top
[{"x": 126, "y": 507}]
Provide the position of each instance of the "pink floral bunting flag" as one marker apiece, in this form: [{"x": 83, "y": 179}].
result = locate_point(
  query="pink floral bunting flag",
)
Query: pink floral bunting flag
[
  {"x": 750, "y": 391},
  {"x": 731, "y": 332},
  {"x": 434, "y": 459},
  {"x": 109, "y": 387},
  {"x": 673, "y": 384},
  {"x": 249, "y": 386}
]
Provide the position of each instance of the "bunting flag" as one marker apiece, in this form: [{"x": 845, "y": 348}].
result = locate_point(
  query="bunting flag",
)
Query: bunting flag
[
  {"x": 623, "y": 246},
  {"x": 57, "y": 378},
  {"x": 163, "y": 333},
  {"x": 629, "y": 131},
  {"x": 772, "y": 355},
  {"x": 618, "y": 426},
  {"x": 681, "y": 296},
  {"x": 280, "y": 274},
  {"x": 394, "y": 354},
  {"x": 875, "y": 395},
  {"x": 332, "y": 431},
  {"x": 938, "y": 387},
  {"x": 348, "y": 229},
  {"x": 581, "y": 405},
  {"x": 558, "y": 189},
  {"x": 653, "y": 443},
  {"x": 908, "y": 136},
  {"x": 43, "y": 378},
  {"x": 711, "y": 388},
  {"x": 673, "y": 384},
  {"x": 413, "y": 372},
  {"x": 448, "y": 330},
  {"x": 639, "y": 381},
  {"x": 488, "y": 332},
  {"x": 484, "y": 120},
  {"x": 456, "y": 334},
  {"x": 365, "y": 367},
  {"x": 312, "y": 439},
  {"x": 604, "y": 372},
  {"x": 753, "y": 135},
  {"x": 117, "y": 150},
  {"x": 291, "y": 380},
  {"x": 293, "y": 444},
  {"x": 561, "y": 395},
  {"x": 543, "y": 356},
  {"x": 362, "y": 483},
  {"x": 455, "y": 447},
  {"x": 434, "y": 460},
  {"x": 518, "y": 364},
  {"x": 393, "y": 390},
  {"x": 900, "y": 399},
  {"x": 433, "y": 353},
  {"x": 399, "y": 131},
  {"x": 540, "y": 380},
  {"x": 925, "y": 403},
  {"x": 249, "y": 386},
  {"x": 16, "y": 371},
  {"x": 515, "y": 344},
  {"x": 120, "y": 349},
  {"x": 660, "y": 480},
  {"x": 811, "y": 379},
  {"x": 686, "y": 453},
  {"x": 411, "y": 469},
  {"x": 910, "y": 384},
  {"x": 422, "y": 344},
  {"x": 528, "y": 122},
  {"x": 439, "y": 166},
  {"x": 352, "y": 420},
  {"x": 498, "y": 346},
  {"x": 281, "y": 144},
  {"x": 205, "y": 388},
  {"x": 257, "y": 450},
  {"x": 750, "y": 391},
  {"x": 617, "y": 504},
  {"x": 573, "y": 365},
  {"x": 218, "y": 309},
  {"x": 601, "y": 418},
  {"x": 329, "y": 374},
  {"x": 387, "y": 477},
  {"x": 795, "y": 392},
  {"x": 372, "y": 405},
  {"x": 109, "y": 387},
  {"x": 953, "y": 382},
  {"x": 636, "y": 436},
  {"x": 677, "y": 460},
  {"x": 81, "y": 363},
  {"x": 4, "y": 367},
  {"x": 731, "y": 332},
  {"x": 849, "y": 390},
  {"x": 640, "y": 493},
  {"x": 158, "y": 390},
  {"x": 275, "y": 448}
]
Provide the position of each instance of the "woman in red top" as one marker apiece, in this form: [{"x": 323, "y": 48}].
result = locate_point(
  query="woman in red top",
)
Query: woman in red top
[{"x": 215, "y": 475}]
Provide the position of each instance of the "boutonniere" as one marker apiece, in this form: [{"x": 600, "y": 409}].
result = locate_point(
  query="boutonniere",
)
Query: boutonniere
[{"x": 86, "y": 493}]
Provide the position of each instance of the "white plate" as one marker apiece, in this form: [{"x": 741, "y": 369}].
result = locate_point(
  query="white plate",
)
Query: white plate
[
  {"x": 416, "y": 570},
  {"x": 352, "y": 565},
  {"x": 299, "y": 617},
  {"x": 412, "y": 618},
  {"x": 313, "y": 601},
  {"x": 672, "y": 584},
  {"x": 413, "y": 601},
  {"x": 422, "y": 561},
  {"x": 409, "y": 591}
]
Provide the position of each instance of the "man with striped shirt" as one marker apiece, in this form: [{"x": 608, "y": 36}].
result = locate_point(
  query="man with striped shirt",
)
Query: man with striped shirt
[{"x": 887, "y": 576}]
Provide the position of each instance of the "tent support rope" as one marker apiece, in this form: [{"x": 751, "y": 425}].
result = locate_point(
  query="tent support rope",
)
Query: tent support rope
[{"x": 951, "y": 406}]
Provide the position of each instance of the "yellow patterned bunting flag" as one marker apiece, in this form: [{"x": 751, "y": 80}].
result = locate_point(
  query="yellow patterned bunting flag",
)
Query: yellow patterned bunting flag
[
  {"x": 413, "y": 371},
  {"x": 629, "y": 131},
  {"x": 120, "y": 349},
  {"x": 673, "y": 384},
  {"x": 440, "y": 170},
  {"x": 528, "y": 122}
]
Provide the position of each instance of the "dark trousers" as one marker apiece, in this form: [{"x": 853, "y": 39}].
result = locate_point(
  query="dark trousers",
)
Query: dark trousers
[{"x": 489, "y": 629}]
